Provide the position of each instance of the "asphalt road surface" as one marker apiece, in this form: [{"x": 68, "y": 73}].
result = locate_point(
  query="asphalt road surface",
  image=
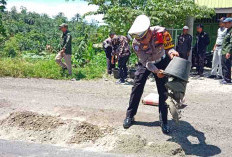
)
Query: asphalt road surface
[{"x": 204, "y": 130}]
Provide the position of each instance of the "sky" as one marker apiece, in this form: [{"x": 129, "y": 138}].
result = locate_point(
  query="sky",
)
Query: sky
[{"x": 53, "y": 7}]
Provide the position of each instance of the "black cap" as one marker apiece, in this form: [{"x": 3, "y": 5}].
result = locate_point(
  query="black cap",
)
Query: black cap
[
  {"x": 111, "y": 33},
  {"x": 200, "y": 26},
  {"x": 221, "y": 19}
]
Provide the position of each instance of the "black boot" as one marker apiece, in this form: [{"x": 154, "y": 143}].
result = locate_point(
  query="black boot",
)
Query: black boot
[
  {"x": 128, "y": 122},
  {"x": 165, "y": 128},
  {"x": 212, "y": 76}
]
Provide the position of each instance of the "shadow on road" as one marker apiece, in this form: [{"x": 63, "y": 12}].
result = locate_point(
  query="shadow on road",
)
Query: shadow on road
[{"x": 181, "y": 134}]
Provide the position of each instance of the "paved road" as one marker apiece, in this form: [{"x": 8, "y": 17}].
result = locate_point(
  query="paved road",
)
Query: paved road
[
  {"x": 24, "y": 149},
  {"x": 205, "y": 129}
]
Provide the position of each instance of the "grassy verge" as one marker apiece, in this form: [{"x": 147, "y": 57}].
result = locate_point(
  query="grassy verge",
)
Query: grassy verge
[{"x": 29, "y": 68}]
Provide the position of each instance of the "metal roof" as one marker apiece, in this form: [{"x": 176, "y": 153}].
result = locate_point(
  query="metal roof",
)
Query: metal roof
[{"x": 215, "y": 3}]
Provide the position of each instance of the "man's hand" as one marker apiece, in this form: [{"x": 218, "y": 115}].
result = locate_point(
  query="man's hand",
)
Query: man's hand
[
  {"x": 173, "y": 54},
  {"x": 160, "y": 73},
  {"x": 227, "y": 55}
]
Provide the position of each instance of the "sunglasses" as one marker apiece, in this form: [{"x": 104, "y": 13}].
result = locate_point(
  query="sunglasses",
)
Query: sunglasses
[{"x": 141, "y": 36}]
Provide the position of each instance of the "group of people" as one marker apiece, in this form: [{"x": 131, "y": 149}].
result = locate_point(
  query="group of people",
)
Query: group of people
[
  {"x": 117, "y": 48},
  {"x": 154, "y": 48},
  {"x": 221, "y": 63}
]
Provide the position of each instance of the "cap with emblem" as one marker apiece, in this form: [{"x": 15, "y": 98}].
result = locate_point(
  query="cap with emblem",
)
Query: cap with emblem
[
  {"x": 185, "y": 27},
  {"x": 63, "y": 25},
  {"x": 140, "y": 27},
  {"x": 228, "y": 19}
]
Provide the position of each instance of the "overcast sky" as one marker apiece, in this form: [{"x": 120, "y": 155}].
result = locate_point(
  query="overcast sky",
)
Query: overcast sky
[{"x": 53, "y": 7}]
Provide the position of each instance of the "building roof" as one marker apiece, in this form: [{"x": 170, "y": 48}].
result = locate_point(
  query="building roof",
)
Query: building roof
[{"x": 215, "y": 3}]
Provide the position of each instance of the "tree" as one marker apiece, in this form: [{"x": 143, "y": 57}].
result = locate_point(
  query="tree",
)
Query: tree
[
  {"x": 2, "y": 8},
  {"x": 120, "y": 14}
]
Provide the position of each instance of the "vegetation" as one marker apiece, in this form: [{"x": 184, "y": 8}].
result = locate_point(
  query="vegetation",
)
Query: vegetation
[
  {"x": 120, "y": 14},
  {"x": 31, "y": 41}
]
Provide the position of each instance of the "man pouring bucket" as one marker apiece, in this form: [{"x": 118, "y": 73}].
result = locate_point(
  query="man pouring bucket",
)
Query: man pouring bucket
[{"x": 154, "y": 48}]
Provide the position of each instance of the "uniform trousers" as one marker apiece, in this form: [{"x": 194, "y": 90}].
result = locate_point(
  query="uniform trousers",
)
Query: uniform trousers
[
  {"x": 226, "y": 69},
  {"x": 110, "y": 66},
  {"x": 122, "y": 61},
  {"x": 141, "y": 76},
  {"x": 67, "y": 59},
  {"x": 216, "y": 63},
  {"x": 200, "y": 61}
]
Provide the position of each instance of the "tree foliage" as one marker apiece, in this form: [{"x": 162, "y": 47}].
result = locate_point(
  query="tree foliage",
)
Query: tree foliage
[
  {"x": 2, "y": 8},
  {"x": 120, "y": 14},
  {"x": 29, "y": 33}
]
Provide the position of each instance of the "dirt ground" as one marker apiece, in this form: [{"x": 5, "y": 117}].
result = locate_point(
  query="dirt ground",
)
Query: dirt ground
[{"x": 89, "y": 115}]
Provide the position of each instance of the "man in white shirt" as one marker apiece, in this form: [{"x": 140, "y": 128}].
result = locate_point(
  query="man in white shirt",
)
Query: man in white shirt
[{"x": 216, "y": 72}]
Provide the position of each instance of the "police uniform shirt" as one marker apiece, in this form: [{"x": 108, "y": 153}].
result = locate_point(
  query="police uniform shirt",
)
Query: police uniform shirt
[{"x": 149, "y": 54}]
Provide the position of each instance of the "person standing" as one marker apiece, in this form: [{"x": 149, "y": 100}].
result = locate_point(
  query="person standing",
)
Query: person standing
[
  {"x": 107, "y": 46},
  {"x": 154, "y": 48},
  {"x": 66, "y": 49},
  {"x": 184, "y": 43},
  {"x": 121, "y": 49},
  {"x": 226, "y": 52},
  {"x": 200, "y": 49},
  {"x": 217, "y": 56}
]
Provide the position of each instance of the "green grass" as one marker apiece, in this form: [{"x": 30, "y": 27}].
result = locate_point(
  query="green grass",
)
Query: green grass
[{"x": 31, "y": 68}]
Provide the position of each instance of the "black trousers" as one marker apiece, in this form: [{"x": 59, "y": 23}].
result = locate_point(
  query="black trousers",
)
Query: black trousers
[
  {"x": 226, "y": 69},
  {"x": 200, "y": 61},
  {"x": 141, "y": 75},
  {"x": 110, "y": 66},
  {"x": 183, "y": 55},
  {"x": 122, "y": 67}
]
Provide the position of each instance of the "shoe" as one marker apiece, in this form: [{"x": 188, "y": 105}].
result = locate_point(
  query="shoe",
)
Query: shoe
[
  {"x": 212, "y": 76},
  {"x": 201, "y": 75},
  {"x": 120, "y": 82},
  {"x": 128, "y": 122},
  {"x": 195, "y": 73},
  {"x": 224, "y": 82},
  {"x": 218, "y": 78},
  {"x": 165, "y": 128}
]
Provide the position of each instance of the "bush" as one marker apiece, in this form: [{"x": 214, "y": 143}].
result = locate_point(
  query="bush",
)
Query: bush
[{"x": 38, "y": 68}]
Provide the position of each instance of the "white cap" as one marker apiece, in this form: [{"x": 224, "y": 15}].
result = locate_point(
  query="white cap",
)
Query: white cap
[
  {"x": 140, "y": 26},
  {"x": 185, "y": 27}
]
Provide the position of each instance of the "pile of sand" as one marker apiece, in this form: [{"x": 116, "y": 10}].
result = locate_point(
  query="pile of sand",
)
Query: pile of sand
[{"x": 48, "y": 129}]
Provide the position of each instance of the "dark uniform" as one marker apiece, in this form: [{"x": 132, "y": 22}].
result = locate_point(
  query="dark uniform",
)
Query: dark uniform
[
  {"x": 107, "y": 45},
  {"x": 202, "y": 41},
  {"x": 121, "y": 49},
  {"x": 227, "y": 48},
  {"x": 184, "y": 45},
  {"x": 66, "y": 51}
]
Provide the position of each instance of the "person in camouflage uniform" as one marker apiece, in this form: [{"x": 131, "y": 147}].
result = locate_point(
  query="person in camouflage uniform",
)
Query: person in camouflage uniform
[
  {"x": 121, "y": 49},
  {"x": 66, "y": 49},
  {"x": 227, "y": 52}
]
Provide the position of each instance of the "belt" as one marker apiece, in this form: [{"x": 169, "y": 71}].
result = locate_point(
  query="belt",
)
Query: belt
[
  {"x": 218, "y": 45},
  {"x": 158, "y": 60}
]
